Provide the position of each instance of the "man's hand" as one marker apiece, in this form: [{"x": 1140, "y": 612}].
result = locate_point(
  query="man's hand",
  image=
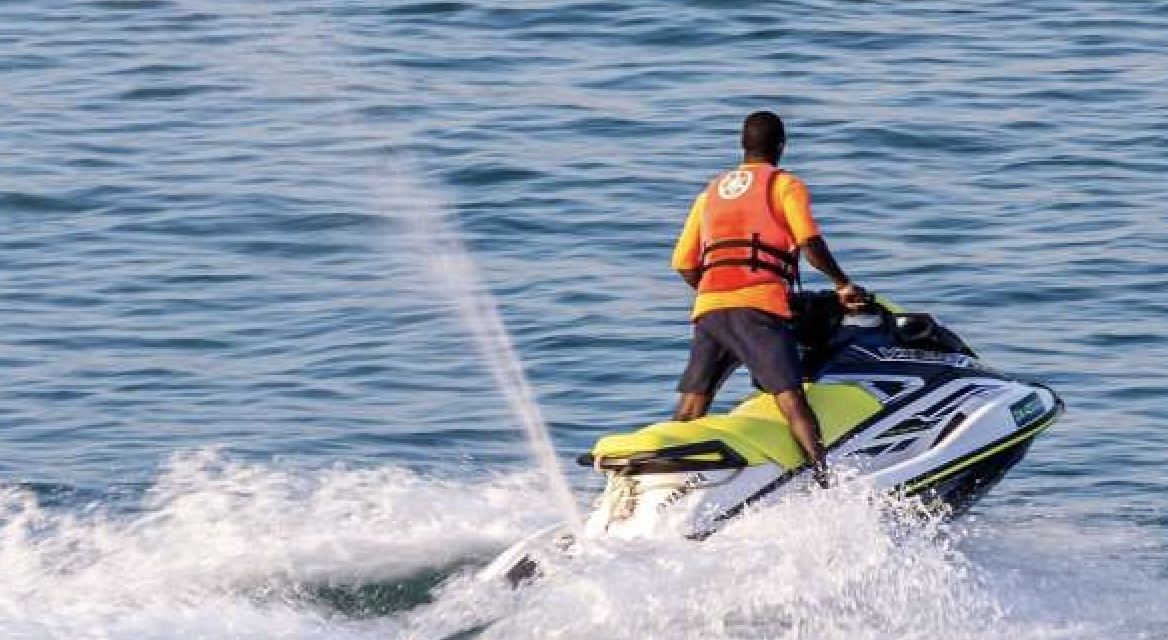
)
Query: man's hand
[{"x": 852, "y": 296}]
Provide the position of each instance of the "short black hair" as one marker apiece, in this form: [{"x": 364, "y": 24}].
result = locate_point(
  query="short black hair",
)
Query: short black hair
[{"x": 763, "y": 133}]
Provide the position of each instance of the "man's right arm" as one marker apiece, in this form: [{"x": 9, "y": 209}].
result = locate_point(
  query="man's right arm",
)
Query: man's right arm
[{"x": 687, "y": 254}]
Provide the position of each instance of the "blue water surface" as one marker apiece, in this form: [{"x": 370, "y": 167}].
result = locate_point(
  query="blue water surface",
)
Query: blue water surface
[{"x": 211, "y": 270}]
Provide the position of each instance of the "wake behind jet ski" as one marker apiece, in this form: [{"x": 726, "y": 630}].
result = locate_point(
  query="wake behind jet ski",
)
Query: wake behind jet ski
[{"x": 902, "y": 401}]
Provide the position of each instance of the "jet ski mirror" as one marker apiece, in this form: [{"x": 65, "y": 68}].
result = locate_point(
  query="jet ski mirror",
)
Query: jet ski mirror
[{"x": 914, "y": 327}]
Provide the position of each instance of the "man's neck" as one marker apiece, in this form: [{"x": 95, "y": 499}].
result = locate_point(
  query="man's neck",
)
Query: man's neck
[{"x": 751, "y": 158}]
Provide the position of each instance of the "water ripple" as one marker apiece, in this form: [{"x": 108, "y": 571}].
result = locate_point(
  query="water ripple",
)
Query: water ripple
[{"x": 204, "y": 242}]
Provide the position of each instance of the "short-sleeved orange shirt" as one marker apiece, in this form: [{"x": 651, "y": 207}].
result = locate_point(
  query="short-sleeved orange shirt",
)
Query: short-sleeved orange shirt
[{"x": 788, "y": 195}]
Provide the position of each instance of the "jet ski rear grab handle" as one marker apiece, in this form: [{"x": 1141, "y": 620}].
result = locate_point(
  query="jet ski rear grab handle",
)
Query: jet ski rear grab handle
[{"x": 669, "y": 459}]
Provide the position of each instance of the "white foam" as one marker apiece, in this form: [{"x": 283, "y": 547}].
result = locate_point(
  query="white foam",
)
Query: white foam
[
  {"x": 223, "y": 548},
  {"x": 827, "y": 565},
  {"x": 842, "y": 564}
]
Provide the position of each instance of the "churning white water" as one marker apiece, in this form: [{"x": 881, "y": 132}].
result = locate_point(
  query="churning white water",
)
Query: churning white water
[{"x": 223, "y": 549}]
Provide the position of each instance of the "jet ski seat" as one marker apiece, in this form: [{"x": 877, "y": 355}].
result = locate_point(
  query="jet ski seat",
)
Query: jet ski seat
[{"x": 755, "y": 433}]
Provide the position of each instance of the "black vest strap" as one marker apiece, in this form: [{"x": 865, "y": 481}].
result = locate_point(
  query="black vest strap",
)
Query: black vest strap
[
  {"x": 755, "y": 245},
  {"x": 786, "y": 265},
  {"x": 782, "y": 271}
]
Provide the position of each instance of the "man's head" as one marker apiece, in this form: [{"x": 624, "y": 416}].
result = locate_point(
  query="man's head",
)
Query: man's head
[{"x": 763, "y": 136}]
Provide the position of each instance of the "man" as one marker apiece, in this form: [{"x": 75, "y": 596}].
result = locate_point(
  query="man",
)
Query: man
[{"x": 740, "y": 250}]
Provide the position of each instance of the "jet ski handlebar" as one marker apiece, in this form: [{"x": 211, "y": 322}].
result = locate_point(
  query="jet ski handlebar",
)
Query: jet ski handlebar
[
  {"x": 819, "y": 315},
  {"x": 869, "y": 306}
]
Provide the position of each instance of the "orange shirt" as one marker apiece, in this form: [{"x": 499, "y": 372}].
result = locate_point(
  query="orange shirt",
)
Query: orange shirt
[{"x": 788, "y": 195}]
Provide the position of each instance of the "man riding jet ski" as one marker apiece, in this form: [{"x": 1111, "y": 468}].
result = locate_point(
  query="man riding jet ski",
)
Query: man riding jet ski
[
  {"x": 899, "y": 398},
  {"x": 903, "y": 403},
  {"x": 740, "y": 249}
]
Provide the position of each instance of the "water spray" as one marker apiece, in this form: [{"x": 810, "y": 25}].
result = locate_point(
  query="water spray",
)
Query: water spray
[
  {"x": 450, "y": 262},
  {"x": 448, "y": 259}
]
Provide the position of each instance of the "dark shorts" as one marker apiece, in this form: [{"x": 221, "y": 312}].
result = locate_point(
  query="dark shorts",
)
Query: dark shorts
[{"x": 726, "y": 338}]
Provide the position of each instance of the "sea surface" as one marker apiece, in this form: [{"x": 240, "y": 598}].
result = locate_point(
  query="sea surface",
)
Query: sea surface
[{"x": 238, "y": 399}]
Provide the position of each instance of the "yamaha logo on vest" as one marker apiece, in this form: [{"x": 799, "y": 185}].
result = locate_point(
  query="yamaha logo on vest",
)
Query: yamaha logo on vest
[{"x": 735, "y": 184}]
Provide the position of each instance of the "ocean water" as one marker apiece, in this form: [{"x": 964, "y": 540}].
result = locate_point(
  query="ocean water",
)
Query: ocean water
[{"x": 238, "y": 400}]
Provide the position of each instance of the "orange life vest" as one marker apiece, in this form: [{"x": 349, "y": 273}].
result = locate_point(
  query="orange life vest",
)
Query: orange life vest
[{"x": 745, "y": 242}]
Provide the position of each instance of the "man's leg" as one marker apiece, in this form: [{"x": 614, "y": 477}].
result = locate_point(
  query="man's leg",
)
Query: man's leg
[
  {"x": 709, "y": 365},
  {"x": 805, "y": 427},
  {"x": 767, "y": 345},
  {"x": 692, "y": 406}
]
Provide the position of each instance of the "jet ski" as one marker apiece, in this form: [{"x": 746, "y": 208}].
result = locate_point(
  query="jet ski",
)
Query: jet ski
[{"x": 903, "y": 403}]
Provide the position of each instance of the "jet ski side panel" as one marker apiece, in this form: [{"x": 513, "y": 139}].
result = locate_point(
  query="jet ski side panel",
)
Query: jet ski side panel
[
  {"x": 950, "y": 428},
  {"x": 967, "y": 485},
  {"x": 688, "y": 505},
  {"x": 988, "y": 456}
]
